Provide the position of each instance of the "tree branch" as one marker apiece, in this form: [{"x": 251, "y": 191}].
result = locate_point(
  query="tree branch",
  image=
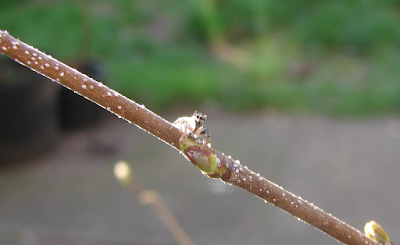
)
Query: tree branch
[{"x": 235, "y": 173}]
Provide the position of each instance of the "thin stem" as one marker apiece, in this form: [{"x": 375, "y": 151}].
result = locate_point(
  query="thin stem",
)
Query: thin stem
[
  {"x": 145, "y": 119},
  {"x": 149, "y": 197},
  {"x": 89, "y": 88},
  {"x": 248, "y": 180}
]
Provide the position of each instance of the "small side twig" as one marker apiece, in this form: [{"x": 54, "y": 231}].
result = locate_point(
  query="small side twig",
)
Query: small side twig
[
  {"x": 124, "y": 174},
  {"x": 235, "y": 173}
]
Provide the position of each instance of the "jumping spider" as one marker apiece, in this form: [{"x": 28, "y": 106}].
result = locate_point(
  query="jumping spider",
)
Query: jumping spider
[{"x": 194, "y": 126}]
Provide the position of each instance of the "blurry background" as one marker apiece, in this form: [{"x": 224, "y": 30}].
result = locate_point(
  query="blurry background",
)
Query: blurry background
[
  {"x": 305, "y": 92},
  {"x": 335, "y": 57}
]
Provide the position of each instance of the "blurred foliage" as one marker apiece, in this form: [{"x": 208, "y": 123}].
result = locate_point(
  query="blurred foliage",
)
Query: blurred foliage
[{"x": 333, "y": 56}]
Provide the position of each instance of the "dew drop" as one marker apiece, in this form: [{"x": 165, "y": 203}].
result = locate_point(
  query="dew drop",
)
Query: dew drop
[
  {"x": 26, "y": 52},
  {"x": 283, "y": 194},
  {"x": 42, "y": 67},
  {"x": 61, "y": 73},
  {"x": 56, "y": 68},
  {"x": 83, "y": 86},
  {"x": 46, "y": 65},
  {"x": 28, "y": 62},
  {"x": 91, "y": 86},
  {"x": 244, "y": 179},
  {"x": 3, "y": 48},
  {"x": 119, "y": 107}
]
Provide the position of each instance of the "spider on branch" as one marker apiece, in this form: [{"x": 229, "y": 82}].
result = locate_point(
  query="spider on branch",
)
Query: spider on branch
[{"x": 194, "y": 126}]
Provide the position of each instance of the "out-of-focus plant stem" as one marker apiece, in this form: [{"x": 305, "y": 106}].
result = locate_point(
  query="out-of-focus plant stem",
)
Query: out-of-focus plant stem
[{"x": 149, "y": 197}]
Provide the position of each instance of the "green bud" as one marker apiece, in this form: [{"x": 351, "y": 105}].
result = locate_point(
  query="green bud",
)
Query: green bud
[
  {"x": 202, "y": 158},
  {"x": 374, "y": 231}
]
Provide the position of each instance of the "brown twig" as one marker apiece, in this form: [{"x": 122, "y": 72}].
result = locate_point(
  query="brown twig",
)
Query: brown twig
[{"x": 125, "y": 108}]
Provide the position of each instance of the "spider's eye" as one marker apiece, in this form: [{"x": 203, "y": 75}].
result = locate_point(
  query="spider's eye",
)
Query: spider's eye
[{"x": 201, "y": 117}]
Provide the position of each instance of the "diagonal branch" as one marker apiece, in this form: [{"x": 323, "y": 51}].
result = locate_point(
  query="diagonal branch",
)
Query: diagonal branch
[{"x": 235, "y": 173}]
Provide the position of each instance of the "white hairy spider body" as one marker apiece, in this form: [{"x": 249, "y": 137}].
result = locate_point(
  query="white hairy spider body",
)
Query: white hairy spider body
[{"x": 194, "y": 126}]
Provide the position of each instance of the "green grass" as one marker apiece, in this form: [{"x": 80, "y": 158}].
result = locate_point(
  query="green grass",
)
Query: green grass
[{"x": 331, "y": 57}]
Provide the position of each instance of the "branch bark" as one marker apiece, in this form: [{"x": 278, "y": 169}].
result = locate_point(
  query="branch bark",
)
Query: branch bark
[{"x": 236, "y": 174}]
